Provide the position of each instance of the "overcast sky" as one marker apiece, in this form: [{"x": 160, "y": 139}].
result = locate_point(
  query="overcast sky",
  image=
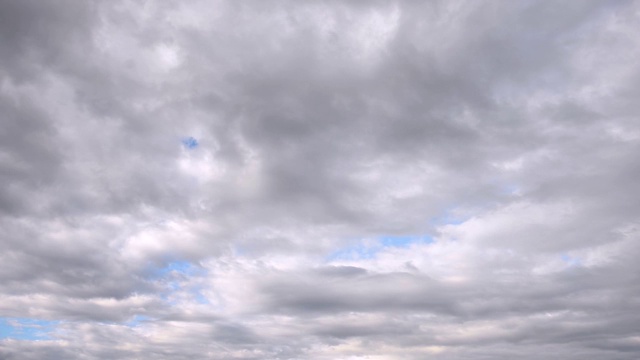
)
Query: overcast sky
[{"x": 319, "y": 180}]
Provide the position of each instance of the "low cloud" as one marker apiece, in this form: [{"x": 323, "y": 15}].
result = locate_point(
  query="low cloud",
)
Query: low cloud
[{"x": 319, "y": 180}]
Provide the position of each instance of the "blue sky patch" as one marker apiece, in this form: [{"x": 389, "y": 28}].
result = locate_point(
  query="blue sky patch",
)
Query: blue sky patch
[
  {"x": 364, "y": 250},
  {"x": 26, "y": 329},
  {"x": 511, "y": 189},
  {"x": 190, "y": 142},
  {"x": 448, "y": 218},
  {"x": 571, "y": 261},
  {"x": 200, "y": 298},
  {"x": 355, "y": 252},
  {"x": 136, "y": 320},
  {"x": 404, "y": 240},
  {"x": 174, "y": 277},
  {"x": 180, "y": 267}
]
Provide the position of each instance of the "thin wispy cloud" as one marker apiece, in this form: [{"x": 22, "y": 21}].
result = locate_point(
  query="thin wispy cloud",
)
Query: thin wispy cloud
[{"x": 319, "y": 180}]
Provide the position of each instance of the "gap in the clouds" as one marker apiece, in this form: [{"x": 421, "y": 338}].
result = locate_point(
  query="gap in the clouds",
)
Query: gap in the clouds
[
  {"x": 511, "y": 189},
  {"x": 570, "y": 260},
  {"x": 26, "y": 329},
  {"x": 179, "y": 266},
  {"x": 368, "y": 248},
  {"x": 167, "y": 268},
  {"x": 174, "y": 274},
  {"x": 451, "y": 216},
  {"x": 200, "y": 298},
  {"x": 136, "y": 320},
  {"x": 190, "y": 142}
]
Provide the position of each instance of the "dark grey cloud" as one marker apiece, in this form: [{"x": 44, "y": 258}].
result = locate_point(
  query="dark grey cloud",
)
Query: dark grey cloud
[{"x": 380, "y": 180}]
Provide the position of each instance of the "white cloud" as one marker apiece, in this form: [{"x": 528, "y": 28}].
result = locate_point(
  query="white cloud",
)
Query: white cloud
[{"x": 319, "y": 180}]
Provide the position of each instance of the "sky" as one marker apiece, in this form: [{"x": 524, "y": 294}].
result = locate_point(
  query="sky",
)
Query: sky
[{"x": 319, "y": 180}]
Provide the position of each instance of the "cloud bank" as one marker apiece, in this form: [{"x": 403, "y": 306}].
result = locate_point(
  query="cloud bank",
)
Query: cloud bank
[{"x": 319, "y": 180}]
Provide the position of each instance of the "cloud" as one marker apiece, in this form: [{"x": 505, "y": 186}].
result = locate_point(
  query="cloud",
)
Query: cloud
[{"x": 321, "y": 180}]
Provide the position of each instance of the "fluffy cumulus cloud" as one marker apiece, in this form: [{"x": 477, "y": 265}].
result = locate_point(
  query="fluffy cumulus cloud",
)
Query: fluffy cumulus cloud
[{"x": 319, "y": 180}]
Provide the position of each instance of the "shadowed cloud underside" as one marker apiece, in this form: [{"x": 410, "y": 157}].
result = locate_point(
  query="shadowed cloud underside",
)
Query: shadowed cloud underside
[{"x": 319, "y": 180}]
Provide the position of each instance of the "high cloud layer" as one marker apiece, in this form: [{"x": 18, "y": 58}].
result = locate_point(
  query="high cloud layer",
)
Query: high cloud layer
[{"x": 319, "y": 180}]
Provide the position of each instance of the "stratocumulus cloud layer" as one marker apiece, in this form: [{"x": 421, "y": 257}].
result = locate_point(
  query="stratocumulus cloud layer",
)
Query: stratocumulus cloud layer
[{"x": 319, "y": 180}]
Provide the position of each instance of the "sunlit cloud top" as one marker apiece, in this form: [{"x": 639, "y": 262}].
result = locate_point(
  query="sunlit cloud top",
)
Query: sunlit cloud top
[{"x": 319, "y": 180}]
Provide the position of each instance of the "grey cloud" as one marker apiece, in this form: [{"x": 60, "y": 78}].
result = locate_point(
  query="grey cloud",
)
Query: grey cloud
[{"x": 321, "y": 126}]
